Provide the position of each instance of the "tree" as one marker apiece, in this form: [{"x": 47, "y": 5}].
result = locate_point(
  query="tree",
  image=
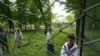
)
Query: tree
[
  {"x": 34, "y": 18},
  {"x": 21, "y": 7},
  {"x": 41, "y": 6},
  {"x": 5, "y": 10}
]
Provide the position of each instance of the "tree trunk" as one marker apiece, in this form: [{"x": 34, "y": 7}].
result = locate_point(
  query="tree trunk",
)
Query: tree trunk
[{"x": 7, "y": 12}]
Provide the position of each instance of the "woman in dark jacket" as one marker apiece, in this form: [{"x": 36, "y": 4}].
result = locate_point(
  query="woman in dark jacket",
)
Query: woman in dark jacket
[{"x": 3, "y": 40}]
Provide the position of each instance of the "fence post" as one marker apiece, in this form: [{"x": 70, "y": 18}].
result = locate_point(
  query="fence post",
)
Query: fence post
[{"x": 81, "y": 28}]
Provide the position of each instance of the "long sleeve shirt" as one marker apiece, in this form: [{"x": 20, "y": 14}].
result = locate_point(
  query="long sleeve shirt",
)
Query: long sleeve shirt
[
  {"x": 65, "y": 51},
  {"x": 18, "y": 35},
  {"x": 49, "y": 38}
]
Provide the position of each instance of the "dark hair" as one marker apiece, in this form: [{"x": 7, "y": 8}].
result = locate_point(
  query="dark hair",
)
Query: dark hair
[{"x": 71, "y": 36}]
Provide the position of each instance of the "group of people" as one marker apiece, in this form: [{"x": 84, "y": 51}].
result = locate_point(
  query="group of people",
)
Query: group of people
[{"x": 68, "y": 49}]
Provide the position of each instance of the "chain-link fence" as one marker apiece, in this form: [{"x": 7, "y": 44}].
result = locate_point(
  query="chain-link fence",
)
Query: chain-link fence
[{"x": 34, "y": 43}]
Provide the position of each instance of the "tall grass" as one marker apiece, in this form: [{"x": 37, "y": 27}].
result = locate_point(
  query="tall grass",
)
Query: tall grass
[{"x": 34, "y": 43}]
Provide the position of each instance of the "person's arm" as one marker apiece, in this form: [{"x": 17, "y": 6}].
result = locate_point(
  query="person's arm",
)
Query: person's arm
[
  {"x": 21, "y": 35},
  {"x": 15, "y": 36},
  {"x": 63, "y": 52},
  {"x": 76, "y": 52}
]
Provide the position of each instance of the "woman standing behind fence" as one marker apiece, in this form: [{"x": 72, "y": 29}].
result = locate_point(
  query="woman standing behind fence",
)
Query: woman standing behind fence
[
  {"x": 3, "y": 40},
  {"x": 18, "y": 38},
  {"x": 50, "y": 43},
  {"x": 70, "y": 48}
]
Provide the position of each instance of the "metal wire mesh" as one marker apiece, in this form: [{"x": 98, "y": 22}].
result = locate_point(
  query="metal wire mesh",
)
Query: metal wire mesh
[{"x": 38, "y": 46}]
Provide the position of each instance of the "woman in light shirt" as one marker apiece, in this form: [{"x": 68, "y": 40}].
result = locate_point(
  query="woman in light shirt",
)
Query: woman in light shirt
[
  {"x": 50, "y": 43},
  {"x": 70, "y": 48},
  {"x": 18, "y": 38}
]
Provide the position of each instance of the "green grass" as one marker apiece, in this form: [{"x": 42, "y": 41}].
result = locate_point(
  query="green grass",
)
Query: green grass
[{"x": 37, "y": 44}]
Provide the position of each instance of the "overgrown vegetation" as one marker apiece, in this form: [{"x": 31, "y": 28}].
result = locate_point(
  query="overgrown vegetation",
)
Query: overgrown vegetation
[{"x": 34, "y": 43}]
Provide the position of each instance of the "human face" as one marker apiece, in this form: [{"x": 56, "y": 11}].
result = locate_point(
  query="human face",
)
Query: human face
[{"x": 70, "y": 41}]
